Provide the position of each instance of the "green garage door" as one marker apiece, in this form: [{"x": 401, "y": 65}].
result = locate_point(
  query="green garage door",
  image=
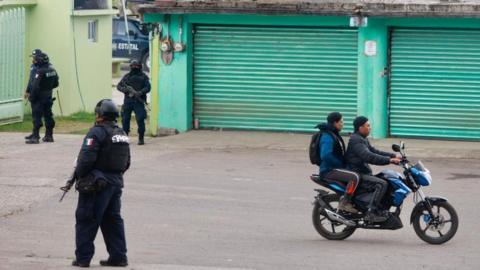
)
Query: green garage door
[
  {"x": 273, "y": 78},
  {"x": 435, "y": 83}
]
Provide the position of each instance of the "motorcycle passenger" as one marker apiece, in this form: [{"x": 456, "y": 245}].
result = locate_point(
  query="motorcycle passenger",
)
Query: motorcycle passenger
[
  {"x": 359, "y": 155},
  {"x": 332, "y": 166}
]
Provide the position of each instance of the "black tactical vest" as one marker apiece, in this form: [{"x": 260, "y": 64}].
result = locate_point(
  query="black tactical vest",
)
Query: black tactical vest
[
  {"x": 115, "y": 151},
  {"x": 49, "y": 79}
]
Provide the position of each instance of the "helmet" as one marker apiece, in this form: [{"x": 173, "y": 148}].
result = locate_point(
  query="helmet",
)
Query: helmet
[
  {"x": 135, "y": 64},
  {"x": 36, "y": 52},
  {"x": 41, "y": 58},
  {"x": 106, "y": 109}
]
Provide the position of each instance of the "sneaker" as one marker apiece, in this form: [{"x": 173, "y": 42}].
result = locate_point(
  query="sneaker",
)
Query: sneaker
[
  {"x": 47, "y": 138},
  {"x": 112, "y": 263},
  {"x": 374, "y": 216},
  {"x": 345, "y": 205},
  {"x": 33, "y": 140},
  {"x": 79, "y": 264}
]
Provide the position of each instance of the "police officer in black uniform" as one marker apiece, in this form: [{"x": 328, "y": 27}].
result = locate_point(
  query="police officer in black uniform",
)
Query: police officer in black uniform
[
  {"x": 39, "y": 91},
  {"x": 103, "y": 158},
  {"x": 135, "y": 85}
]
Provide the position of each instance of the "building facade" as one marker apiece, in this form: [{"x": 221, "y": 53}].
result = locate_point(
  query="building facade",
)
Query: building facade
[
  {"x": 76, "y": 34},
  {"x": 413, "y": 69}
]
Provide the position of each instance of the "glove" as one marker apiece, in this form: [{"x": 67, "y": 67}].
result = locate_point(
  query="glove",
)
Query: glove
[{"x": 138, "y": 94}]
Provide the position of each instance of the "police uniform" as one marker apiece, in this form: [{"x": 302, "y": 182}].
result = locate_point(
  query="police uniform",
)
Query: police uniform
[
  {"x": 40, "y": 89},
  {"x": 139, "y": 81},
  {"x": 105, "y": 156}
]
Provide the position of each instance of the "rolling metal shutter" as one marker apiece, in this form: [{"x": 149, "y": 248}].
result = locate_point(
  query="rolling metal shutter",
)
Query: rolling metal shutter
[
  {"x": 273, "y": 78},
  {"x": 435, "y": 83}
]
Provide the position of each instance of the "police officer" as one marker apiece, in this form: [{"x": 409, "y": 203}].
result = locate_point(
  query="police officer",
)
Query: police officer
[
  {"x": 103, "y": 158},
  {"x": 135, "y": 85},
  {"x": 39, "y": 92}
]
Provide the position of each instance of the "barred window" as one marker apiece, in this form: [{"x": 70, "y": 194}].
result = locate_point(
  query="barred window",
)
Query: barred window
[{"x": 93, "y": 31}]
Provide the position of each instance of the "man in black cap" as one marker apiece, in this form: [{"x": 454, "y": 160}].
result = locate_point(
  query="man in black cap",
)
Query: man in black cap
[
  {"x": 135, "y": 85},
  {"x": 359, "y": 154},
  {"x": 43, "y": 80}
]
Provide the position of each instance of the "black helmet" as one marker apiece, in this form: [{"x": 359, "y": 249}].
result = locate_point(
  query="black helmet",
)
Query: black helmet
[
  {"x": 106, "y": 109},
  {"x": 135, "y": 64},
  {"x": 41, "y": 58},
  {"x": 36, "y": 52}
]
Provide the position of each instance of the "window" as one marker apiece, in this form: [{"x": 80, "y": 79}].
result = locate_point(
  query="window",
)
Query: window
[
  {"x": 120, "y": 29},
  {"x": 90, "y": 4},
  {"x": 92, "y": 31}
]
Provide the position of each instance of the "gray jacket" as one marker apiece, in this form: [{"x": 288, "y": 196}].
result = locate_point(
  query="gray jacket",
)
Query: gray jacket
[{"x": 360, "y": 153}]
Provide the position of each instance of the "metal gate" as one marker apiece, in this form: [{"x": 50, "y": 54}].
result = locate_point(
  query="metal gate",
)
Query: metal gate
[
  {"x": 12, "y": 61},
  {"x": 273, "y": 78},
  {"x": 435, "y": 83}
]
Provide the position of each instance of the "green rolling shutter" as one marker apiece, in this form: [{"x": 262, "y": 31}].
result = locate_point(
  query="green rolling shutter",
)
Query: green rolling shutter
[
  {"x": 435, "y": 83},
  {"x": 273, "y": 78}
]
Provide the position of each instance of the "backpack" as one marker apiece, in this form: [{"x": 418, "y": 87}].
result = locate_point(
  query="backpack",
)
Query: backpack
[{"x": 314, "y": 148}]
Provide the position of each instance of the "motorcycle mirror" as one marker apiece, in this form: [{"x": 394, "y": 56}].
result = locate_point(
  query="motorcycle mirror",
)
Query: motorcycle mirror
[
  {"x": 402, "y": 145},
  {"x": 396, "y": 147}
]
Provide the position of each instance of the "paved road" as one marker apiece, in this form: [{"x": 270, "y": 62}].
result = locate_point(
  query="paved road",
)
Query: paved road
[{"x": 213, "y": 200}]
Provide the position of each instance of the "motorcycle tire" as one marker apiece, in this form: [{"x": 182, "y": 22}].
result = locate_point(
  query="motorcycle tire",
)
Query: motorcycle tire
[
  {"x": 319, "y": 216},
  {"x": 423, "y": 217}
]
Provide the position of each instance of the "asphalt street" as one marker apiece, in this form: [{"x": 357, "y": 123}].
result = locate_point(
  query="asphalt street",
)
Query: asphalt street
[{"x": 224, "y": 200}]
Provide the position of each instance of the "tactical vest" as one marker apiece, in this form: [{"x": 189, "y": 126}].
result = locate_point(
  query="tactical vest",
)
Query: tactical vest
[
  {"x": 115, "y": 150},
  {"x": 49, "y": 79},
  {"x": 137, "y": 81}
]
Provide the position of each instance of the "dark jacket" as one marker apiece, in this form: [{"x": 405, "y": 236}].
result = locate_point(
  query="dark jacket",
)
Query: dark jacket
[
  {"x": 92, "y": 146},
  {"x": 45, "y": 80},
  {"x": 360, "y": 153},
  {"x": 332, "y": 149},
  {"x": 139, "y": 81}
]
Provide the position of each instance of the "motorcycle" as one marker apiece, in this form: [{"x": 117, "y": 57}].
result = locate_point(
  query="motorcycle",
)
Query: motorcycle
[{"x": 434, "y": 219}]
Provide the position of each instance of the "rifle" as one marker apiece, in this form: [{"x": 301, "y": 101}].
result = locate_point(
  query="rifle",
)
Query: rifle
[
  {"x": 131, "y": 93},
  {"x": 68, "y": 185}
]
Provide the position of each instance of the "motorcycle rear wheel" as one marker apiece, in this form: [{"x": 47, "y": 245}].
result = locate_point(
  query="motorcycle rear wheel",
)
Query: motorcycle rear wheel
[
  {"x": 432, "y": 230},
  {"x": 330, "y": 230}
]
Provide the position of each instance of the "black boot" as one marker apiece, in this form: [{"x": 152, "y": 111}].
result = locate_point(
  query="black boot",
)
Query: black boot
[
  {"x": 79, "y": 264},
  {"x": 48, "y": 136},
  {"x": 375, "y": 216},
  {"x": 35, "y": 139},
  {"x": 140, "y": 139},
  {"x": 112, "y": 263},
  {"x": 29, "y": 137}
]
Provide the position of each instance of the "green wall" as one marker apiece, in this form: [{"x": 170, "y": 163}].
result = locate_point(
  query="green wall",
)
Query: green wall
[{"x": 175, "y": 79}]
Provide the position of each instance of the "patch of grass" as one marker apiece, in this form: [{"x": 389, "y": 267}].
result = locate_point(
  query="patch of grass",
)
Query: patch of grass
[{"x": 77, "y": 123}]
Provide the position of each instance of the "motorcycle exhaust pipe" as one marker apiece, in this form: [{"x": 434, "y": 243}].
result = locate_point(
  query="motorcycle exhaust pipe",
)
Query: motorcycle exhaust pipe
[{"x": 336, "y": 217}]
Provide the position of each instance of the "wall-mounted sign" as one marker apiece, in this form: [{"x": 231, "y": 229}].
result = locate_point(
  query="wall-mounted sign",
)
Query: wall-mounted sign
[{"x": 370, "y": 48}]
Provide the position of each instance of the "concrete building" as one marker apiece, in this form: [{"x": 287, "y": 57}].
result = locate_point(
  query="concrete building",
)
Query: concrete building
[
  {"x": 411, "y": 66},
  {"x": 76, "y": 34}
]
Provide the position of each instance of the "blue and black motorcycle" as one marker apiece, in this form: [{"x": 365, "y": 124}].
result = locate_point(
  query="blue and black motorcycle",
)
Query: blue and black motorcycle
[{"x": 434, "y": 220}]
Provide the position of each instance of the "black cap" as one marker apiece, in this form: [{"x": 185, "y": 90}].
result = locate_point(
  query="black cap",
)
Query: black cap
[
  {"x": 358, "y": 122},
  {"x": 334, "y": 117},
  {"x": 36, "y": 52}
]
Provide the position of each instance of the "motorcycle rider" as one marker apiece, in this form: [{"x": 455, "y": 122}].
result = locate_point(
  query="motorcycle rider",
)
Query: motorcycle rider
[
  {"x": 332, "y": 156},
  {"x": 359, "y": 154}
]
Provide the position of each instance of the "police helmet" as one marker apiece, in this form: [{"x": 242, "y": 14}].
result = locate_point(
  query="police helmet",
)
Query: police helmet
[
  {"x": 41, "y": 58},
  {"x": 135, "y": 64},
  {"x": 36, "y": 52},
  {"x": 106, "y": 109}
]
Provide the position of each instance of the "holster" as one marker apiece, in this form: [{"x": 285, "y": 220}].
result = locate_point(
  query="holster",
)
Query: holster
[{"x": 91, "y": 183}]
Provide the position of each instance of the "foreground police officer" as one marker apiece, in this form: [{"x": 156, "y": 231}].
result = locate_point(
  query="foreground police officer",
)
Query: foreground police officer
[
  {"x": 103, "y": 158},
  {"x": 135, "y": 85},
  {"x": 39, "y": 91}
]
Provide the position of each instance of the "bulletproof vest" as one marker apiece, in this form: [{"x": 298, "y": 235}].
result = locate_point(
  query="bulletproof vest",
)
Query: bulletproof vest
[
  {"x": 115, "y": 150},
  {"x": 136, "y": 80},
  {"x": 49, "y": 79}
]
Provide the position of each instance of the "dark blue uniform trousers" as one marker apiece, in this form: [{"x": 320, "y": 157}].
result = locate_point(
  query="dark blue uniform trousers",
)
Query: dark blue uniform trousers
[
  {"x": 140, "y": 116},
  {"x": 101, "y": 209},
  {"x": 43, "y": 108}
]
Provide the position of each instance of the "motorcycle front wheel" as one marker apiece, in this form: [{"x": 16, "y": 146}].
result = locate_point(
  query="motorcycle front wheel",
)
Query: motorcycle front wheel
[
  {"x": 440, "y": 227},
  {"x": 331, "y": 230}
]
